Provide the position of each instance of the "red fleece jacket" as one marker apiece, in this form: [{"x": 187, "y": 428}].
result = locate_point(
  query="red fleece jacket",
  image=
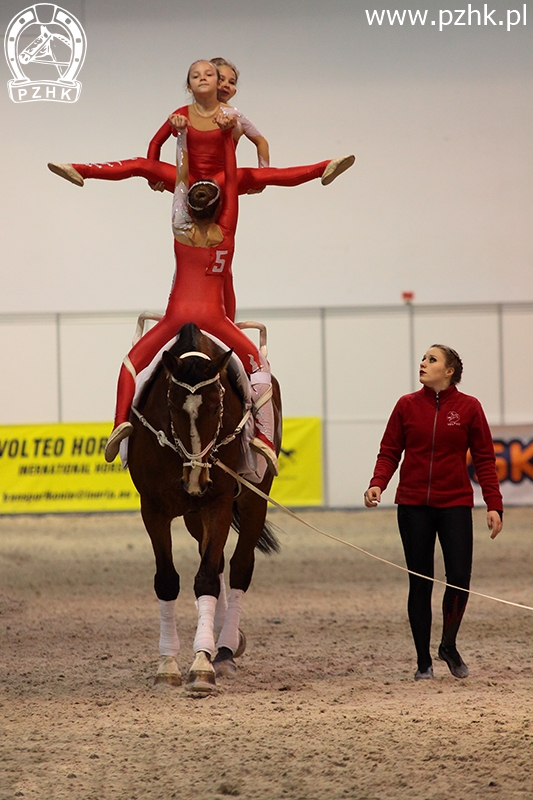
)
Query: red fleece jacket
[{"x": 434, "y": 431}]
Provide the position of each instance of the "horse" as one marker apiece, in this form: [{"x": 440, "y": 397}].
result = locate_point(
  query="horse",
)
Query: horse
[{"x": 189, "y": 415}]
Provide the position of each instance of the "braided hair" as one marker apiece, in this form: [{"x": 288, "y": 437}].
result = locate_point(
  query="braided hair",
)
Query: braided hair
[{"x": 453, "y": 360}]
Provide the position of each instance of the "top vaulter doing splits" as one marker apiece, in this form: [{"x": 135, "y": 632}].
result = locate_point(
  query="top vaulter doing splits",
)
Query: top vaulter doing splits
[{"x": 205, "y": 151}]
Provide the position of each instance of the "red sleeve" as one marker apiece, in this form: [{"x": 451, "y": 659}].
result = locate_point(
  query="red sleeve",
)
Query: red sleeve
[
  {"x": 484, "y": 460},
  {"x": 230, "y": 211},
  {"x": 159, "y": 139},
  {"x": 390, "y": 450}
]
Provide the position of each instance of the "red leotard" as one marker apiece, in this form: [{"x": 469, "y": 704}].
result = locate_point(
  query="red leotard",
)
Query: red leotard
[
  {"x": 206, "y": 161},
  {"x": 197, "y": 295}
]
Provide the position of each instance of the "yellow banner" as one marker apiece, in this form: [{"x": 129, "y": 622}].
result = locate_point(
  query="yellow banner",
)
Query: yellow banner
[
  {"x": 60, "y": 468},
  {"x": 300, "y": 463}
]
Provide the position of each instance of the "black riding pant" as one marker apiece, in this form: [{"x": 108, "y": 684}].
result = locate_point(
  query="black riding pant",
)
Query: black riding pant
[{"x": 419, "y": 526}]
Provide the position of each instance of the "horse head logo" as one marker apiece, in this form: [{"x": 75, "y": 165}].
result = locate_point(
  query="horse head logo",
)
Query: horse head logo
[{"x": 45, "y": 49}]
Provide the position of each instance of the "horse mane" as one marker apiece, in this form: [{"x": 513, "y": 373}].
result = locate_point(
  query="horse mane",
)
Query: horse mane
[{"x": 188, "y": 339}]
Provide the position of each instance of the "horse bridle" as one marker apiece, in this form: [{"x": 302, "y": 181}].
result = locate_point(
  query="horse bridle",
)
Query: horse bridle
[{"x": 194, "y": 459}]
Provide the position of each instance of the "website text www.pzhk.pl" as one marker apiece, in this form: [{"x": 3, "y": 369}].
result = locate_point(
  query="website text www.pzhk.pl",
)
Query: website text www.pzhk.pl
[{"x": 446, "y": 18}]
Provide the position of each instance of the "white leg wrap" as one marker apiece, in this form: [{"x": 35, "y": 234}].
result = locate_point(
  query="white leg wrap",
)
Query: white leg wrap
[
  {"x": 205, "y": 637},
  {"x": 169, "y": 643},
  {"x": 229, "y": 636},
  {"x": 222, "y": 605}
]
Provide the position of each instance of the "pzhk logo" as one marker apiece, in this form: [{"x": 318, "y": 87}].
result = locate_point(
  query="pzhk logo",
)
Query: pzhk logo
[{"x": 45, "y": 49}]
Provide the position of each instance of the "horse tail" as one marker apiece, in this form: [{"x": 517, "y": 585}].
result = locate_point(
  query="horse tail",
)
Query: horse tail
[{"x": 268, "y": 542}]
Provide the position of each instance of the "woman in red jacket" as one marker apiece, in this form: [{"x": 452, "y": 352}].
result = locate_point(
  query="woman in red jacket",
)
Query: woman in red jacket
[{"x": 433, "y": 428}]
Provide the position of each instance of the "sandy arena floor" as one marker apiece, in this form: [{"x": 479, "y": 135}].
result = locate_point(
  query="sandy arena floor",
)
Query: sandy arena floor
[{"x": 324, "y": 705}]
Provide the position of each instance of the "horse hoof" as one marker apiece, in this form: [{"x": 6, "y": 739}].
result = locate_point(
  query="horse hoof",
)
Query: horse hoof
[
  {"x": 202, "y": 682},
  {"x": 241, "y": 646},
  {"x": 167, "y": 679},
  {"x": 168, "y": 673},
  {"x": 224, "y": 664},
  {"x": 225, "y": 668},
  {"x": 202, "y": 675}
]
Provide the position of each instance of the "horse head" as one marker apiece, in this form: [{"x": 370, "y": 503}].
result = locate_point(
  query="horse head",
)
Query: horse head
[{"x": 195, "y": 398}]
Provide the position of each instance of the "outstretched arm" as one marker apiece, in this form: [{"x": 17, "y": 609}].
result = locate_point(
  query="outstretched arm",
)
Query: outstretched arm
[
  {"x": 158, "y": 140},
  {"x": 255, "y": 136},
  {"x": 154, "y": 151},
  {"x": 263, "y": 152},
  {"x": 263, "y": 157},
  {"x": 179, "y": 124}
]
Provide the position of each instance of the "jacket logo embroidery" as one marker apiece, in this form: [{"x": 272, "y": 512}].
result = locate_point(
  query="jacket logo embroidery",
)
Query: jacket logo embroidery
[{"x": 453, "y": 418}]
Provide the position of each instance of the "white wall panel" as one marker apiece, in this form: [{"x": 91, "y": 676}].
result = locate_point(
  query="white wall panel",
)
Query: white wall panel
[
  {"x": 367, "y": 356},
  {"x": 92, "y": 350},
  {"x": 518, "y": 366},
  {"x": 439, "y": 199},
  {"x": 28, "y": 365},
  {"x": 295, "y": 355},
  {"x": 351, "y": 450}
]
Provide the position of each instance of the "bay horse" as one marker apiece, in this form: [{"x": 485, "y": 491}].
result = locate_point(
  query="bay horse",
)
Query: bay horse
[{"x": 185, "y": 419}]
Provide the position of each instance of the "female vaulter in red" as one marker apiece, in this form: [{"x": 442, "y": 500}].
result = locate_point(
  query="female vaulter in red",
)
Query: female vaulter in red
[
  {"x": 204, "y": 254},
  {"x": 206, "y": 159}
]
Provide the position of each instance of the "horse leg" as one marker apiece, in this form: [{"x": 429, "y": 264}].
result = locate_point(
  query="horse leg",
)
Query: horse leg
[
  {"x": 221, "y": 608},
  {"x": 222, "y": 605},
  {"x": 168, "y": 671},
  {"x": 220, "y": 618},
  {"x": 167, "y": 586},
  {"x": 195, "y": 528},
  {"x": 232, "y": 642},
  {"x": 215, "y": 526}
]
